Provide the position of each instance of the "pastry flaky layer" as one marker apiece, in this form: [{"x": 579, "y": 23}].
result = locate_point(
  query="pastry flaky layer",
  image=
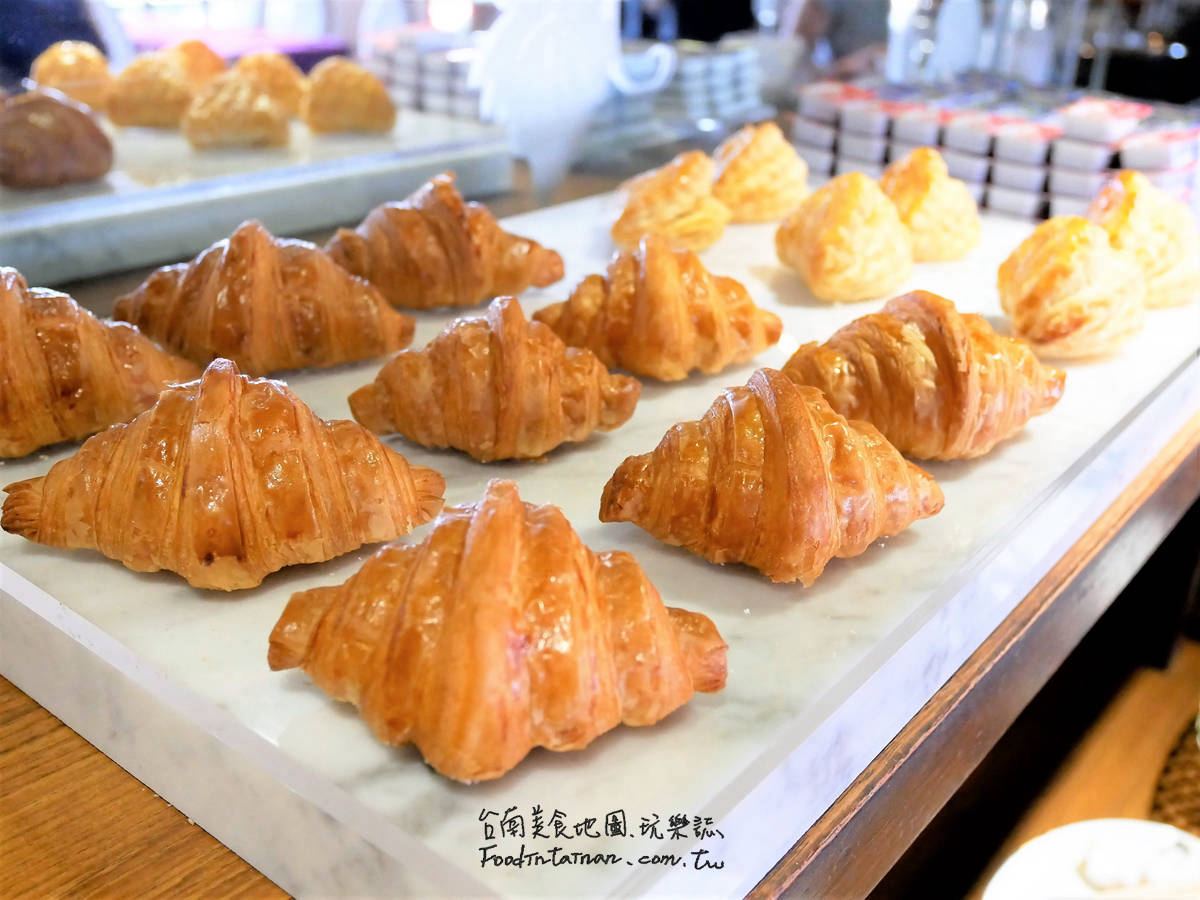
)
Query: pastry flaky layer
[
  {"x": 938, "y": 210},
  {"x": 433, "y": 249},
  {"x": 772, "y": 477},
  {"x": 847, "y": 241},
  {"x": 497, "y": 387},
  {"x": 76, "y": 68},
  {"x": 937, "y": 383},
  {"x": 659, "y": 312},
  {"x": 759, "y": 175},
  {"x": 267, "y": 303},
  {"x": 1069, "y": 292},
  {"x": 1160, "y": 231},
  {"x": 500, "y": 632},
  {"x": 64, "y": 374},
  {"x": 675, "y": 202},
  {"x": 223, "y": 481},
  {"x": 343, "y": 96},
  {"x": 230, "y": 110}
]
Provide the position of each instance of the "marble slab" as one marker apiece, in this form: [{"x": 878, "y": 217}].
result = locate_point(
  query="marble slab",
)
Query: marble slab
[{"x": 173, "y": 683}]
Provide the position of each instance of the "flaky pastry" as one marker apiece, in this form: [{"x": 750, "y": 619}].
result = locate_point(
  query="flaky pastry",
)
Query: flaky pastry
[
  {"x": 76, "y": 68},
  {"x": 200, "y": 62},
  {"x": 277, "y": 75},
  {"x": 1069, "y": 292},
  {"x": 47, "y": 139},
  {"x": 343, "y": 96},
  {"x": 760, "y": 176},
  {"x": 234, "y": 111},
  {"x": 675, "y": 202},
  {"x": 152, "y": 91},
  {"x": 938, "y": 210},
  {"x": 500, "y": 632}
]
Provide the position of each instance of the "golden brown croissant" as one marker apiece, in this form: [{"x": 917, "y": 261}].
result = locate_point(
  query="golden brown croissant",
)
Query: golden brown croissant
[
  {"x": 343, "y": 96},
  {"x": 234, "y": 111},
  {"x": 225, "y": 480},
  {"x": 660, "y": 313},
  {"x": 847, "y": 241},
  {"x": 1159, "y": 230},
  {"x": 1069, "y": 292},
  {"x": 760, "y": 176},
  {"x": 937, "y": 383},
  {"x": 675, "y": 202},
  {"x": 496, "y": 386},
  {"x": 200, "y": 62},
  {"x": 268, "y": 304},
  {"x": 152, "y": 91},
  {"x": 64, "y": 374},
  {"x": 774, "y": 478},
  {"x": 435, "y": 250},
  {"x": 499, "y": 633},
  {"x": 277, "y": 75},
  {"x": 76, "y": 68},
  {"x": 938, "y": 210},
  {"x": 47, "y": 139}
]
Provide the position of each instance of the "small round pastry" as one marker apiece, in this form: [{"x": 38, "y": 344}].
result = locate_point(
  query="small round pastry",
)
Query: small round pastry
[
  {"x": 47, "y": 139},
  {"x": 277, "y": 75},
  {"x": 1158, "y": 230},
  {"x": 847, "y": 241},
  {"x": 76, "y": 68},
  {"x": 343, "y": 96},
  {"x": 231, "y": 111},
  {"x": 760, "y": 176},
  {"x": 1069, "y": 293},
  {"x": 674, "y": 201},
  {"x": 200, "y": 62},
  {"x": 938, "y": 210},
  {"x": 152, "y": 91}
]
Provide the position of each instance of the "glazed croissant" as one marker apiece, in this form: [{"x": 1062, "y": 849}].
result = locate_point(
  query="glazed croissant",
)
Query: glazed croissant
[
  {"x": 225, "y": 480},
  {"x": 76, "y": 68},
  {"x": 938, "y": 384},
  {"x": 153, "y": 91},
  {"x": 499, "y": 633},
  {"x": 774, "y": 478},
  {"x": 231, "y": 111},
  {"x": 496, "y": 386},
  {"x": 64, "y": 374},
  {"x": 938, "y": 210},
  {"x": 343, "y": 96},
  {"x": 659, "y": 312},
  {"x": 435, "y": 250},
  {"x": 760, "y": 176},
  {"x": 268, "y": 304},
  {"x": 674, "y": 202}
]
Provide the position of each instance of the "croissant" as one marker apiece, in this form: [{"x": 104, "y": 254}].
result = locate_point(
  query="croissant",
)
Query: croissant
[
  {"x": 266, "y": 303},
  {"x": 774, "y": 478},
  {"x": 760, "y": 176},
  {"x": 233, "y": 111},
  {"x": 200, "y": 63},
  {"x": 660, "y": 313},
  {"x": 496, "y": 386},
  {"x": 76, "y": 68},
  {"x": 64, "y": 374},
  {"x": 343, "y": 96},
  {"x": 938, "y": 210},
  {"x": 225, "y": 480},
  {"x": 47, "y": 139},
  {"x": 153, "y": 91},
  {"x": 937, "y": 383},
  {"x": 675, "y": 202},
  {"x": 847, "y": 241},
  {"x": 499, "y": 633},
  {"x": 277, "y": 75},
  {"x": 1069, "y": 293},
  {"x": 1159, "y": 230},
  {"x": 435, "y": 250}
]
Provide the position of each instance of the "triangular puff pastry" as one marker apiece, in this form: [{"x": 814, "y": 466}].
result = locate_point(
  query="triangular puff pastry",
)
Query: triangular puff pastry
[
  {"x": 937, "y": 383},
  {"x": 760, "y": 176},
  {"x": 266, "y": 303},
  {"x": 64, "y": 374},
  {"x": 847, "y": 241},
  {"x": 938, "y": 210},
  {"x": 674, "y": 202},
  {"x": 774, "y": 478},
  {"x": 659, "y": 312},
  {"x": 435, "y": 250},
  {"x": 498, "y": 633},
  {"x": 225, "y": 480},
  {"x": 497, "y": 387}
]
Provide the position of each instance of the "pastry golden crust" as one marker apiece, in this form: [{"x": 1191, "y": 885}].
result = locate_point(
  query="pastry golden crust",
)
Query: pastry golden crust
[
  {"x": 847, "y": 241},
  {"x": 152, "y": 91},
  {"x": 675, "y": 202},
  {"x": 771, "y": 477},
  {"x": 76, "y": 68},
  {"x": 937, "y": 383},
  {"x": 64, "y": 374},
  {"x": 343, "y": 96},
  {"x": 200, "y": 63},
  {"x": 938, "y": 210},
  {"x": 435, "y": 250},
  {"x": 499, "y": 633},
  {"x": 1158, "y": 230},
  {"x": 497, "y": 387},
  {"x": 1069, "y": 293},
  {"x": 277, "y": 75},
  {"x": 760, "y": 176},
  {"x": 47, "y": 139},
  {"x": 659, "y": 312},
  {"x": 268, "y": 304},
  {"x": 234, "y": 111}
]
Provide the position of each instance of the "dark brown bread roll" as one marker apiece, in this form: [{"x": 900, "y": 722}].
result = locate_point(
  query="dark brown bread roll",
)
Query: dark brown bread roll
[{"x": 47, "y": 139}]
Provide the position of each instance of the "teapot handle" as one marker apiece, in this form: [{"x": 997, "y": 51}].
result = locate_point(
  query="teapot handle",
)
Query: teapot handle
[{"x": 664, "y": 67}]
